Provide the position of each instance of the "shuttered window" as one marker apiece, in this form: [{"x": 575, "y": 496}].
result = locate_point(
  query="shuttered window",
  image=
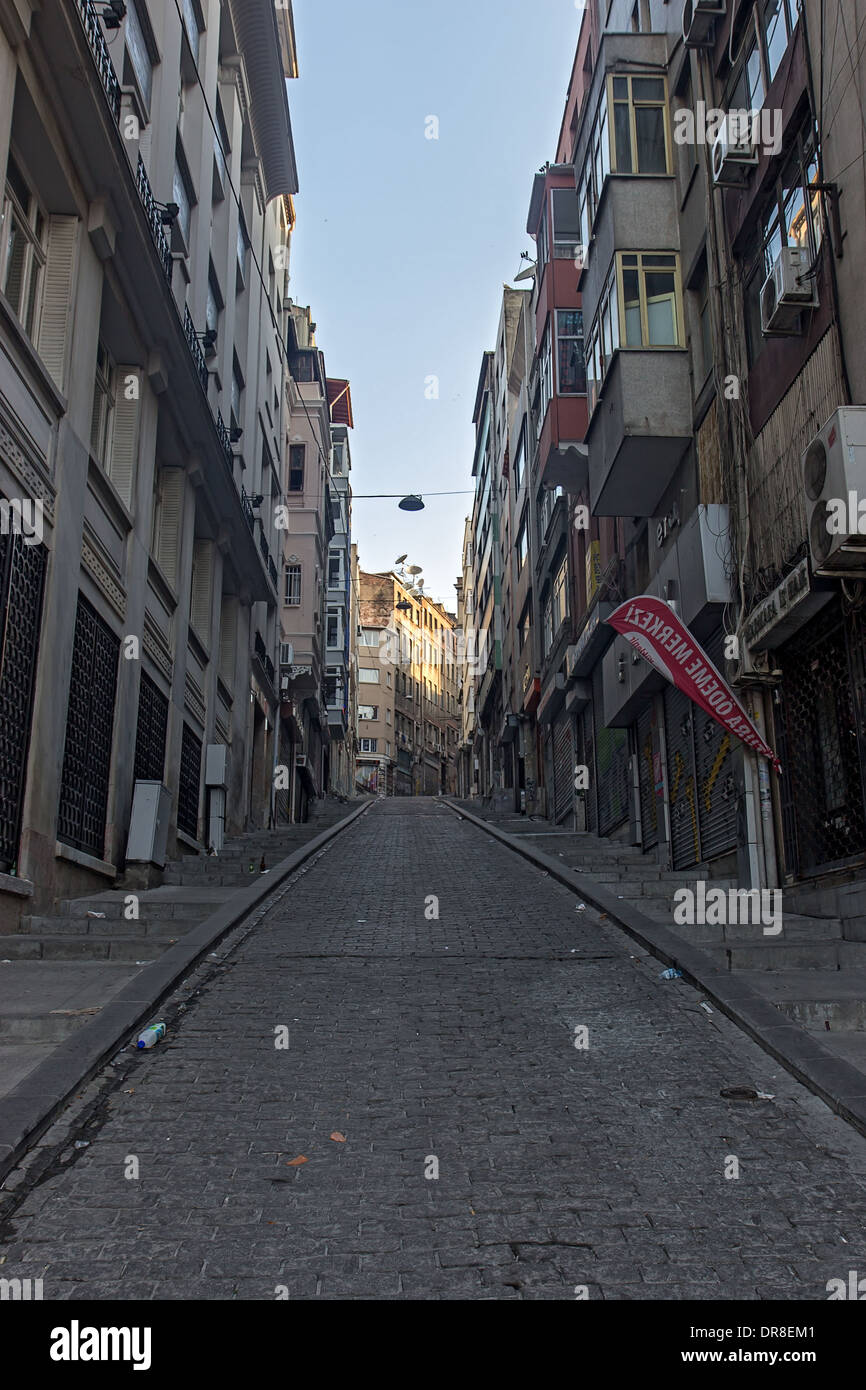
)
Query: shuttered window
[
  {"x": 55, "y": 318},
  {"x": 228, "y": 640},
  {"x": 123, "y": 451},
  {"x": 201, "y": 588},
  {"x": 168, "y": 510}
]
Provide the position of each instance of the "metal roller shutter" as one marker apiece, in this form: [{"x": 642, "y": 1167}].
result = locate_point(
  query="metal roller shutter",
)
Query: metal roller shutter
[
  {"x": 716, "y": 788},
  {"x": 685, "y": 832},
  {"x": 563, "y": 769},
  {"x": 611, "y": 765},
  {"x": 646, "y": 780}
]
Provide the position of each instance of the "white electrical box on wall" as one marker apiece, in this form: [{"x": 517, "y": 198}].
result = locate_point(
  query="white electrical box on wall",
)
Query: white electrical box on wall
[{"x": 148, "y": 825}]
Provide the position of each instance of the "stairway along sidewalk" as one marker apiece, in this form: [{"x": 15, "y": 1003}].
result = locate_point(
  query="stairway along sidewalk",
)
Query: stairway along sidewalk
[
  {"x": 74, "y": 986},
  {"x": 800, "y": 993}
]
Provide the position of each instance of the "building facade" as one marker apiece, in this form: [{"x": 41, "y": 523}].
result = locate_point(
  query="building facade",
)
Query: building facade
[
  {"x": 148, "y": 180},
  {"x": 697, "y": 363},
  {"x": 408, "y": 712}
]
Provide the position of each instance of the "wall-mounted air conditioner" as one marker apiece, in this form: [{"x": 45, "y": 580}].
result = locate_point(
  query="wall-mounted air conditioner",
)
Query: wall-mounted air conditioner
[
  {"x": 735, "y": 153},
  {"x": 834, "y": 479},
  {"x": 699, "y": 20},
  {"x": 787, "y": 291},
  {"x": 300, "y": 760}
]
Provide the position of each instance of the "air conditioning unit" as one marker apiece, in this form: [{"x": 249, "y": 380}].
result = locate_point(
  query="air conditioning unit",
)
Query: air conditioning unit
[
  {"x": 300, "y": 760},
  {"x": 287, "y": 654},
  {"x": 834, "y": 478},
  {"x": 285, "y": 682},
  {"x": 787, "y": 291},
  {"x": 699, "y": 18},
  {"x": 734, "y": 151}
]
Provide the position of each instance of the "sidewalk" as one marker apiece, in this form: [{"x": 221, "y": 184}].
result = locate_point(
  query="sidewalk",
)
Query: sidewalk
[{"x": 784, "y": 991}]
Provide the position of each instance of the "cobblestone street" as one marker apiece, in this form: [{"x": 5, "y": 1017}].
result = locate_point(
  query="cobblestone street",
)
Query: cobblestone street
[{"x": 446, "y": 1044}]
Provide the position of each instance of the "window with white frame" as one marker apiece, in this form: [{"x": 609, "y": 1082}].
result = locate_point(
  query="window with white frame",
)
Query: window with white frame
[
  {"x": 23, "y": 249},
  {"x": 293, "y": 586},
  {"x": 103, "y": 406},
  {"x": 368, "y": 675},
  {"x": 138, "y": 51},
  {"x": 570, "y": 360},
  {"x": 368, "y": 745},
  {"x": 368, "y": 712},
  {"x": 335, "y": 570}
]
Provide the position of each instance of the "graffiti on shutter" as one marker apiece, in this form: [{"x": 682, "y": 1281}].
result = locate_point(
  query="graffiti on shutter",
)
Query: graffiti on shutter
[
  {"x": 611, "y": 765},
  {"x": 646, "y": 780},
  {"x": 563, "y": 769},
  {"x": 714, "y": 761},
  {"x": 685, "y": 835}
]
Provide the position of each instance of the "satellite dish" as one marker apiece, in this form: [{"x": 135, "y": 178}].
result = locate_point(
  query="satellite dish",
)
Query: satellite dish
[
  {"x": 420, "y": 586},
  {"x": 401, "y": 559},
  {"x": 415, "y": 569}
]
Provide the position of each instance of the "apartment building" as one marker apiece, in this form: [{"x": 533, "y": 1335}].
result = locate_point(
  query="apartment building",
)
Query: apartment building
[
  {"x": 309, "y": 512},
  {"x": 341, "y": 611},
  {"x": 408, "y": 714},
  {"x": 148, "y": 169},
  {"x": 697, "y": 368}
]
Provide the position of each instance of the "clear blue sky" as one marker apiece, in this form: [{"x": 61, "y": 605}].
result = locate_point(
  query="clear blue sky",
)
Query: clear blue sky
[{"x": 402, "y": 243}]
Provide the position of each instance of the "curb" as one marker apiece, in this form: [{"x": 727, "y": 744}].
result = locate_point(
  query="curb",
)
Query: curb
[
  {"x": 835, "y": 1081},
  {"x": 31, "y": 1106}
]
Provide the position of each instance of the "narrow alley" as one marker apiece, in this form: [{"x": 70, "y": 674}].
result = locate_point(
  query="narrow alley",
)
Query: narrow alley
[{"x": 428, "y": 1072}]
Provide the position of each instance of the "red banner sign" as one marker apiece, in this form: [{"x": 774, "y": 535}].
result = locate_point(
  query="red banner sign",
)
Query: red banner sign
[{"x": 653, "y": 628}]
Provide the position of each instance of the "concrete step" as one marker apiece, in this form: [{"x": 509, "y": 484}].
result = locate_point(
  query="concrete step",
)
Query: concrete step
[
  {"x": 777, "y": 954},
  {"x": 134, "y": 949}
]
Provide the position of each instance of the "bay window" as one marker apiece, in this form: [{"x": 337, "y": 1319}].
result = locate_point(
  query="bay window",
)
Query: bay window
[{"x": 570, "y": 361}]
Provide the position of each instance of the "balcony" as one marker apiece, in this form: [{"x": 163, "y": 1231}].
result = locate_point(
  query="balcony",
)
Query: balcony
[
  {"x": 639, "y": 431},
  {"x": 101, "y": 55},
  {"x": 196, "y": 350},
  {"x": 154, "y": 221}
]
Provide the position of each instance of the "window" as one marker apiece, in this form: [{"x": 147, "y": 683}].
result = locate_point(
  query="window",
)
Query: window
[
  {"x": 296, "y": 467},
  {"x": 547, "y": 500},
  {"x": 519, "y": 460},
  {"x": 370, "y": 637},
  {"x": 545, "y": 381},
  {"x": 138, "y": 50},
  {"x": 334, "y": 635},
  {"x": 525, "y": 626},
  {"x": 214, "y": 302},
  {"x": 335, "y": 571},
  {"x": 566, "y": 226},
  {"x": 387, "y": 716},
  {"x": 747, "y": 92},
  {"x": 649, "y": 300},
  {"x": 522, "y": 547},
  {"x": 641, "y": 140},
  {"x": 103, "y": 406},
  {"x": 23, "y": 261},
  {"x": 182, "y": 194},
  {"x": 555, "y": 606},
  {"x": 190, "y": 24},
  {"x": 368, "y": 712},
  {"x": 237, "y": 389},
  {"x": 571, "y": 364},
  {"x": 368, "y": 675},
  {"x": 790, "y": 217},
  {"x": 369, "y": 745},
  {"x": 293, "y": 586},
  {"x": 777, "y": 24},
  {"x": 243, "y": 244}
]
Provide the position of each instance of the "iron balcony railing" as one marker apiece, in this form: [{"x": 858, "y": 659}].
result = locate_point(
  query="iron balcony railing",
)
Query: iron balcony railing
[
  {"x": 224, "y": 438},
  {"x": 247, "y": 508},
  {"x": 101, "y": 56},
  {"x": 154, "y": 218},
  {"x": 262, "y": 653},
  {"x": 195, "y": 347},
  {"x": 272, "y": 571}
]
